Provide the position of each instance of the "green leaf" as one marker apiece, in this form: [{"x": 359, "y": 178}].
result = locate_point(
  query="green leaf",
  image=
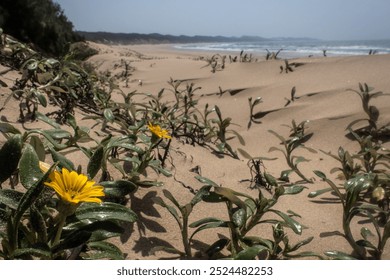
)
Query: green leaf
[
  {"x": 268, "y": 244},
  {"x": 38, "y": 146},
  {"x": 129, "y": 146},
  {"x": 10, "y": 154},
  {"x": 35, "y": 252},
  {"x": 281, "y": 138},
  {"x": 320, "y": 174},
  {"x": 8, "y": 128},
  {"x": 169, "y": 195},
  {"x": 58, "y": 133},
  {"x": 63, "y": 162},
  {"x": 118, "y": 188},
  {"x": 290, "y": 222},
  {"x": 302, "y": 243},
  {"x": 217, "y": 223},
  {"x": 204, "y": 221},
  {"x": 240, "y": 138},
  {"x": 156, "y": 165},
  {"x": 95, "y": 162},
  {"x": 32, "y": 65},
  {"x": 57, "y": 89},
  {"x": 170, "y": 209},
  {"x": 270, "y": 179},
  {"x": 31, "y": 195},
  {"x": 105, "y": 212},
  {"x": 38, "y": 224},
  {"x": 206, "y": 181},
  {"x": 104, "y": 250},
  {"x": 205, "y": 190},
  {"x": 319, "y": 192},
  {"x": 337, "y": 255},
  {"x": 295, "y": 189},
  {"x": 230, "y": 195},
  {"x": 284, "y": 175},
  {"x": 250, "y": 253},
  {"x": 49, "y": 138},
  {"x": 10, "y": 198},
  {"x": 299, "y": 160},
  {"x": 109, "y": 115},
  {"x": 101, "y": 230},
  {"x": 239, "y": 217},
  {"x": 30, "y": 172},
  {"x": 72, "y": 240},
  {"x": 212, "y": 197},
  {"x": 244, "y": 153},
  {"x": 112, "y": 230},
  {"x": 217, "y": 246},
  {"x": 386, "y": 234},
  {"x": 41, "y": 98}
]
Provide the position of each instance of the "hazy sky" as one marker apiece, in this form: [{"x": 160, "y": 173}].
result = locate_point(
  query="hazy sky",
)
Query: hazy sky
[{"x": 322, "y": 19}]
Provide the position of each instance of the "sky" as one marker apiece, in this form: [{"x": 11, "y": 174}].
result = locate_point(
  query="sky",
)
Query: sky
[{"x": 321, "y": 19}]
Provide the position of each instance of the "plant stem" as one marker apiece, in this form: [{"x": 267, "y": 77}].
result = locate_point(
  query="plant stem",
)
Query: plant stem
[
  {"x": 184, "y": 234},
  {"x": 61, "y": 224},
  {"x": 348, "y": 235}
]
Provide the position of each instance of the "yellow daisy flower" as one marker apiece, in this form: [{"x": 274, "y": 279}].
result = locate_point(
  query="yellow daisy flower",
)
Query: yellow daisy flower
[
  {"x": 72, "y": 187},
  {"x": 158, "y": 131}
]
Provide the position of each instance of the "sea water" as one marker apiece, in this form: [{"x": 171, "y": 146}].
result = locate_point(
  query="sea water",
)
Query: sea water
[{"x": 291, "y": 48}]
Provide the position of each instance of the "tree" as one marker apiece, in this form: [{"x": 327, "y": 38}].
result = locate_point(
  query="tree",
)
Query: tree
[{"x": 40, "y": 22}]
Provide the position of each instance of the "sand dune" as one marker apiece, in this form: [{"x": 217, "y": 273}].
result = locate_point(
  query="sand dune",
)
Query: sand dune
[{"x": 322, "y": 98}]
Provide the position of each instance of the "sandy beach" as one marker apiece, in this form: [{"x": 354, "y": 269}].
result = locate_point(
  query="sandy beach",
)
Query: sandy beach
[{"x": 322, "y": 98}]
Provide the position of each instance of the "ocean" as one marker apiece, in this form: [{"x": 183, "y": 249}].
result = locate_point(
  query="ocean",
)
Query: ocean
[{"x": 296, "y": 48}]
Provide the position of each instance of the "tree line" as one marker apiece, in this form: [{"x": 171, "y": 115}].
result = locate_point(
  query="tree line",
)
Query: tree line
[{"x": 39, "y": 22}]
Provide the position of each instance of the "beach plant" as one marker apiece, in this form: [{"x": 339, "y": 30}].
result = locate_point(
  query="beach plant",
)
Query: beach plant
[
  {"x": 58, "y": 213},
  {"x": 252, "y": 105},
  {"x": 372, "y": 52},
  {"x": 133, "y": 154},
  {"x": 349, "y": 168},
  {"x": 15, "y": 53},
  {"x": 366, "y": 94},
  {"x": 272, "y": 55},
  {"x": 216, "y": 62},
  {"x": 287, "y": 67},
  {"x": 355, "y": 208},
  {"x": 260, "y": 178},
  {"x": 245, "y": 213},
  {"x": 181, "y": 214},
  {"x": 296, "y": 139},
  {"x": 222, "y": 132},
  {"x": 292, "y": 98},
  {"x": 364, "y": 196},
  {"x": 244, "y": 57},
  {"x": 188, "y": 121}
]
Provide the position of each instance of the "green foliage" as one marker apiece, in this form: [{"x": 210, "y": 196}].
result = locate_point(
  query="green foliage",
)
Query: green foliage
[
  {"x": 31, "y": 219},
  {"x": 216, "y": 62},
  {"x": 296, "y": 139},
  {"x": 40, "y": 22},
  {"x": 245, "y": 213},
  {"x": 366, "y": 94},
  {"x": 365, "y": 193},
  {"x": 252, "y": 105}
]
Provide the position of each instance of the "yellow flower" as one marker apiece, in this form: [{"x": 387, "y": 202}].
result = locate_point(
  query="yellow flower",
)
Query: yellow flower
[
  {"x": 72, "y": 187},
  {"x": 158, "y": 131}
]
